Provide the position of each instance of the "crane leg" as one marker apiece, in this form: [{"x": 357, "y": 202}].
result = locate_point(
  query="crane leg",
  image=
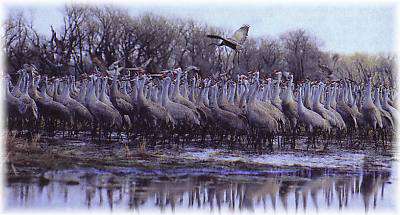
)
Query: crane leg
[
  {"x": 383, "y": 138},
  {"x": 308, "y": 140},
  {"x": 271, "y": 142},
  {"x": 293, "y": 138},
  {"x": 375, "y": 136}
]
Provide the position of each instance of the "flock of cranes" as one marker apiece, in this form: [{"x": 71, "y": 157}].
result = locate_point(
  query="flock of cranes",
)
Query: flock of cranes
[{"x": 180, "y": 107}]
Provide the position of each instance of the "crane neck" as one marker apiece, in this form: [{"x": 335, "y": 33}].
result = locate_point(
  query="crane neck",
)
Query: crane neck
[
  {"x": 206, "y": 93},
  {"x": 368, "y": 96},
  {"x": 377, "y": 101},
  {"x": 135, "y": 89},
  {"x": 8, "y": 93},
  {"x": 268, "y": 93},
  {"x": 90, "y": 95},
  {"x": 177, "y": 83},
  {"x": 385, "y": 96},
  {"x": 264, "y": 94},
  {"x": 213, "y": 100},
  {"x": 253, "y": 93},
  {"x": 277, "y": 91},
  {"x": 124, "y": 88},
  {"x": 164, "y": 90},
  {"x": 351, "y": 98},
  {"x": 141, "y": 96},
  {"x": 184, "y": 88},
  {"x": 224, "y": 92},
  {"x": 231, "y": 97},
  {"x": 244, "y": 97},
  {"x": 193, "y": 90},
  {"x": 43, "y": 93},
  {"x": 82, "y": 92},
  {"x": 300, "y": 104},
  {"x": 289, "y": 91}
]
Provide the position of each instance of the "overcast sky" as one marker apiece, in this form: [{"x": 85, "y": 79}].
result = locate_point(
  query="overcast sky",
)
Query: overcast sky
[{"x": 342, "y": 28}]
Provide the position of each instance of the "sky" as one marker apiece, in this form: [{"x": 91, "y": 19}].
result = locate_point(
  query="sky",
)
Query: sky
[{"x": 341, "y": 27}]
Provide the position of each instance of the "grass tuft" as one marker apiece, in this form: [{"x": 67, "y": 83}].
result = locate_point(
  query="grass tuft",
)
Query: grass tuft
[{"x": 142, "y": 147}]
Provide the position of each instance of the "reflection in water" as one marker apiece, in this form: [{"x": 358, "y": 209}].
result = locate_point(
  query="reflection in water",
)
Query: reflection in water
[{"x": 297, "y": 190}]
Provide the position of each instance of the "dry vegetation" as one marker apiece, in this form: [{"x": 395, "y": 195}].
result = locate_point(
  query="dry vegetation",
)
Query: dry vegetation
[{"x": 111, "y": 34}]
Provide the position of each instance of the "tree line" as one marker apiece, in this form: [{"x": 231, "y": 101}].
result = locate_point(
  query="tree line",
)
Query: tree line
[{"x": 110, "y": 34}]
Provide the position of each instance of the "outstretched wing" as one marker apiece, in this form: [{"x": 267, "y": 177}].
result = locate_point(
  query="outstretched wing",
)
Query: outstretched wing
[
  {"x": 215, "y": 37},
  {"x": 325, "y": 68},
  {"x": 98, "y": 62},
  {"x": 240, "y": 35},
  {"x": 145, "y": 64},
  {"x": 114, "y": 65}
]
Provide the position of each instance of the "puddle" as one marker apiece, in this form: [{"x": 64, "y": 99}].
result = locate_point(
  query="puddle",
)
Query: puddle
[
  {"x": 353, "y": 161},
  {"x": 205, "y": 189},
  {"x": 82, "y": 175}
]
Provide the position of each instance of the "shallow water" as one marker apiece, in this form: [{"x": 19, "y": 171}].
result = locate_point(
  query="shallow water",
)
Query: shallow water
[{"x": 290, "y": 190}]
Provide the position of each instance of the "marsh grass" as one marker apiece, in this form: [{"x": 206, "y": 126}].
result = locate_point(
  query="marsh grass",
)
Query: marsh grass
[
  {"x": 127, "y": 151},
  {"x": 11, "y": 139},
  {"x": 35, "y": 143},
  {"x": 142, "y": 147}
]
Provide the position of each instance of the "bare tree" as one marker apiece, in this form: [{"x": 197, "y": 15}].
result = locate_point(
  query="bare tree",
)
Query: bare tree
[
  {"x": 101, "y": 36},
  {"x": 301, "y": 53}
]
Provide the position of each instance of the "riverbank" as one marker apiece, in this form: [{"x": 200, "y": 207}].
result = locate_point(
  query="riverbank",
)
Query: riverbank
[{"x": 31, "y": 159}]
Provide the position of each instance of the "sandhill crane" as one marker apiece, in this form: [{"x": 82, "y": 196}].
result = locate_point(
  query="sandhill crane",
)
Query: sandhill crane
[
  {"x": 289, "y": 108},
  {"x": 226, "y": 120},
  {"x": 387, "y": 120},
  {"x": 208, "y": 121},
  {"x": 153, "y": 92},
  {"x": 275, "y": 98},
  {"x": 181, "y": 114},
  {"x": 307, "y": 96},
  {"x": 259, "y": 118},
  {"x": 52, "y": 110},
  {"x": 74, "y": 89},
  {"x": 123, "y": 107},
  {"x": 121, "y": 102},
  {"x": 176, "y": 95},
  {"x": 386, "y": 116},
  {"x": 231, "y": 92},
  {"x": 312, "y": 120},
  {"x": 328, "y": 105},
  {"x": 193, "y": 91},
  {"x": 103, "y": 97},
  {"x": 267, "y": 105},
  {"x": 370, "y": 113},
  {"x": 28, "y": 108},
  {"x": 16, "y": 91},
  {"x": 82, "y": 93},
  {"x": 225, "y": 105},
  {"x": 79, "y": 112},
  {"x": 105, "y": 116},
  {"x": 348, "y": 114},
  {"x": 155, "y": 114},
  {"x": 56, "y": 91},
  {"x": 184, "y": 88},
  {"x": 12, "y": 103},
  {"x": 236, "y": 41},
  {"x": 320, "y": 109},
  {"x": 386, "y": 106}
]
